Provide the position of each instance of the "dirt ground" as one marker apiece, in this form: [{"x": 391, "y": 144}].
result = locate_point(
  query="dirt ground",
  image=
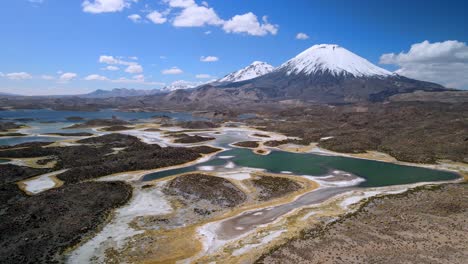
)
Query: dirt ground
[{"x": 427, "y": 225}]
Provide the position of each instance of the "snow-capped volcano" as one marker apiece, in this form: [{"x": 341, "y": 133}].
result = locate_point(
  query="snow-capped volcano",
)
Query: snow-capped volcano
[
  {"x": 256, "y": 69},
  {"x": 331, "y": 59},
  {"x": 321, "y": 74}
]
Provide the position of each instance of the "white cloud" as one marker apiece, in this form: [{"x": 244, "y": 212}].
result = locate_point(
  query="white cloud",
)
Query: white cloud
[
  {"x": 105, "y": 6},
  {"x": 36, "y": 1},
  {"x": 249, "y": 24},
  {"x": 133, "y": 57},
  {"x": 18, "y": 76},
  {"x": 111, "y": 68},
  {"x": 108, "y": 59},
  {"x": 162, "y": 57},
  {"x": 135, "y": 18},
  {"x": 207, "y": 32},
  {"x": 203, "y": 76},
  {"x": 441, "y": 62},
  {"x": 209, "y": 58},
  {"x": 68, "y": 76},
  {"x": 47, "y": 77},
  {"x": 134, "y": 68},
  {"x": 180, "y": 3},
  {"x": 95, "y": 77},
  {"x": 302, "y": 36},
  {"x": 116, "y": 60},
  {"x": 193, "y": 15},
  {"x": 173, "y": 70},
  {"x": 156, "y": 17}
]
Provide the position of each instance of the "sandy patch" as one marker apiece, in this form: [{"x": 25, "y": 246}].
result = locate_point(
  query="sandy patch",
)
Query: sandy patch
[{"x": 41, "y": 183}]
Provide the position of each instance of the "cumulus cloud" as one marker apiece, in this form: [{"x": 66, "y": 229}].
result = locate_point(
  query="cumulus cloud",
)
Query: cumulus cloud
[
  {"x": 441, "y": 62},
  {"x": 105, "y": 6},
  {"x": 134, "y": 68},
  {"x": 173, "y": 70},
  {"x": 156, "y": 17},
  {"x": 18, "y": 75},
  {"x": 302, "y": 36},
  {"x": 209, "y": 58},
  {"x": 66, "y": 77},
  {"x": 135, "y": 18},
  {"x": 194, "y": 15},
  {"x": 203, "y": 76},
  {"x": 109, "y": 60},
  {"x": 249, "y": 24},
  {"x": 95, "y": 77}
]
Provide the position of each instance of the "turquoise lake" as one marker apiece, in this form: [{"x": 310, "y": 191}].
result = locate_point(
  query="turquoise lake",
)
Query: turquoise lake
[{"x": 376, "y": 173}]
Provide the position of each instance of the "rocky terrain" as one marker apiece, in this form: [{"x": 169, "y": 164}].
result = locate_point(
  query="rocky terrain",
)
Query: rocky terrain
[
  {"x": 418, "y": 132},
  {"x": 5, "y": 126},
  {"x": 116, "y": 128},
  {"x": 38, "y": 229},
  {"x": 247, "y": 144},
  {"x": 427, "y": 225},
  {"x": 13, "y": 134},
  {"x": 216, "y": 190},
  {"x": 273, "y": 187},
  {"x": 184, "y": 138},
  {"x": 198, "y": 124},
  {"x": 97, "y": 158}
]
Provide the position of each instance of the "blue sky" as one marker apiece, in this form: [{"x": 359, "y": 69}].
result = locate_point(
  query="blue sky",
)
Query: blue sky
[{"x": 58, "y": 47}]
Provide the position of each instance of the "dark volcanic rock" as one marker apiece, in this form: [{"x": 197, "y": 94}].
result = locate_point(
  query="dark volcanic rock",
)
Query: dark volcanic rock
[
  {"x": 116, "y": 128},
  {"x": 274, "y": 187},
  {"x": 75, "y": 118},
  {"x": 114, "y": 140},
  {"x": 184, "y": 138},
  {"x": 214, "y": 189},
  {"x": 37, "y": 229},
  {"x": 4, "y": 126},
  {"x": 198, "y": 124},
  {"x": 247, "y": 144},
  {"x": 13, "y": 135},
  {"x": 10, "y": 173}
]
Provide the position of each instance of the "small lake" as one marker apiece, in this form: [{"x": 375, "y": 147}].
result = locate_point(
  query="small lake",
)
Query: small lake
[
  {"x": 47, "y": 115},
  {"x": 376, "y": 173},
  {"x": 49, "y": 121}
]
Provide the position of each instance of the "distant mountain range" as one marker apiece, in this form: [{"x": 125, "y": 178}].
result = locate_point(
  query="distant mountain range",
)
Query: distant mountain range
[
  {"x": 124, "y": 92},
  {"x": 325, "y": 73}
]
